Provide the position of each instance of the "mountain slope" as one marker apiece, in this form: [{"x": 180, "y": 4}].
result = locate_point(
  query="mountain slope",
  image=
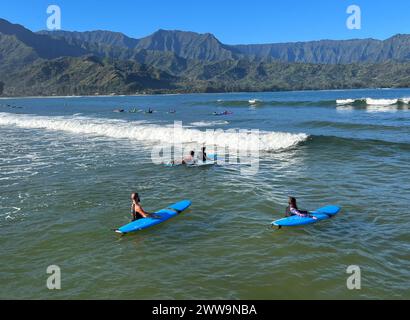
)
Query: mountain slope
[
  {"x": 103, "y": 62},
  {"x": 107, "y": 38},
  {"x": 44, "y": 46},
  {"x": 85, "y": 76},
  {"x": 188, "y": 45},
  {"x": 14, "y": 53},
  {"x": 245, "y": 75},
  {"x": 205, "y": 47},
  {"x": 333, "y": 51}
]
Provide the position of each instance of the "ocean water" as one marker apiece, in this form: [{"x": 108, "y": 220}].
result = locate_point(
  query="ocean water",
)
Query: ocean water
[{"x": 68, "y": 166}]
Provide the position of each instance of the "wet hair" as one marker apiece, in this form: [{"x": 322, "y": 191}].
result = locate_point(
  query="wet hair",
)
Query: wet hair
[
  {"x": 192, "y": 153},
  {"x": 292, "y": 202},
  {"x": 135, "y": 196}
]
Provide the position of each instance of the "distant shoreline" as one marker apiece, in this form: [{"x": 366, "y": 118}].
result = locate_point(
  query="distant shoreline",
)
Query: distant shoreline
[{"x": 189, "y": 93}]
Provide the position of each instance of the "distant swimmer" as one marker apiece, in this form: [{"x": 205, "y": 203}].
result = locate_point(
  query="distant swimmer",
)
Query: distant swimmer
[
  {"x": 225, "y": 113},
  {"x": 292, "y": 209},
  {"x": 118, "y": 110},
  {"x": 137, "y": 211},
  {"x": 172, "y": 111},
  {"x": 150, "y": 110}
]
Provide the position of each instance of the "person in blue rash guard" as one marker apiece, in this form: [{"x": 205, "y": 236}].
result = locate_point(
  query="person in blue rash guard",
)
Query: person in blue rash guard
[{"x": 292, "y": 209}]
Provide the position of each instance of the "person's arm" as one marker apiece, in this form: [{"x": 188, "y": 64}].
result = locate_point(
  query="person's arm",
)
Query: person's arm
[
  {"x": 298, "y": 213},
  {"x": 141, "y": 211},
  {"x": 302, "y": 213}
]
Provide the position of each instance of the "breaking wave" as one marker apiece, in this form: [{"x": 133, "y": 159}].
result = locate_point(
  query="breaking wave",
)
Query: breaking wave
[
  {"x": 357, "y": 102},
  {"x": 142, "y": 131},
  {"x": 373, "y": 102},
  {"x": 209, "y": 123}
]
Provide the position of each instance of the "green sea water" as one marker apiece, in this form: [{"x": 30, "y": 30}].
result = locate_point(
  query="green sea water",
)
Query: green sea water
[{"x": 68, "y": 166}]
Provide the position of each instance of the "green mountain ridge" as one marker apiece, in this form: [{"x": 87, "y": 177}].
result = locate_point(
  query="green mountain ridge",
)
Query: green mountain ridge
[
  {"x": 86, "y": 76},
  {"x": 44, "y": 46},
  {"x": 104, "y": 62},
  {"x": 206, "y": 47}
]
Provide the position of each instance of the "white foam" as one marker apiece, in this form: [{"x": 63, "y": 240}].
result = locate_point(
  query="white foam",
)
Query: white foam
[
  {"x": 266, "y": 141},
  {"x": 345, "y": 101},
  {"x": 373, "y": 102},
  {"x": 209, "y": 123},
  {"x": 254, "y": 101},
  {"x": 9, "y": 213},
  {"x": 381, "y": 102}
]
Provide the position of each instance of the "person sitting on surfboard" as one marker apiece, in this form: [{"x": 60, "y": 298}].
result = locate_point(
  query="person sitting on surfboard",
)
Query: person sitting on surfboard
[
  {"x": 190, "y": 159},
  {"x": 202, "y": 155},
  {"x": 137, "y": 211},
  {"x": 292, "y": 209}
]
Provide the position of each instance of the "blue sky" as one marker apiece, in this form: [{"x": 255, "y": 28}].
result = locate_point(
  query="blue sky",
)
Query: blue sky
[{"x": 232, "y": 21}]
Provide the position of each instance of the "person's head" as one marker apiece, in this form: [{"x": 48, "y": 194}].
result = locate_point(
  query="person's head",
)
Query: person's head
[
  {"x": 192, "y": 153},
  {"x": 135, "y": 197},
  {"x": 292, "y": 202}
]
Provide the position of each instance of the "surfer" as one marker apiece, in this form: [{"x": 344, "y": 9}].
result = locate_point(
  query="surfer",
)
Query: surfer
[
  {"x": 203, "y": 156},
  {"x": 224, "y": 113},
  {"x": 150, "y": 110},
  {"x": 292, "y": 209},
  {"x": 137, "y": 211},
  {"x": 188, "y": 160}
]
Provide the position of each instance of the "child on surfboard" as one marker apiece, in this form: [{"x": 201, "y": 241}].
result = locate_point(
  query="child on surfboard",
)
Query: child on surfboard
[{"x": 292, "y": 210}]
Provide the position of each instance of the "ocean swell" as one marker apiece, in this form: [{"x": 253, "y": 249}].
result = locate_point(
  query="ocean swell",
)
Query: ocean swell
[{"x": 142, "y": 131}]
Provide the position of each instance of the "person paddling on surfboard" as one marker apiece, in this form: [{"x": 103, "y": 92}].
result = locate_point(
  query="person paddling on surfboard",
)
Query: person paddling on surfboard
[
  {"x": 137, "y": 211},
  {"x": 292, "y": 209}
]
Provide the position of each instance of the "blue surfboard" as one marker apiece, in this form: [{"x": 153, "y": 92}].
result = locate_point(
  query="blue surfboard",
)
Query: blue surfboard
[
  {"x": 159, "y": 217},
  {"x": 320, "y": 214}
]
